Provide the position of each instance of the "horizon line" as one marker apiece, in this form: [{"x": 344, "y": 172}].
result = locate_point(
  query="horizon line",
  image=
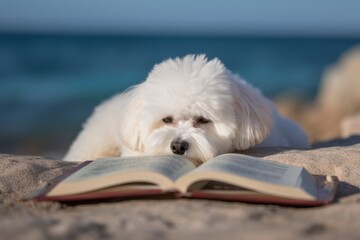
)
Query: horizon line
[{"x": 178, "y": 35}]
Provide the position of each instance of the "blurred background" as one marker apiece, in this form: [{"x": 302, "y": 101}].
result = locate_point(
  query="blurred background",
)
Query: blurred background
[{"x": 59, "y": 59}]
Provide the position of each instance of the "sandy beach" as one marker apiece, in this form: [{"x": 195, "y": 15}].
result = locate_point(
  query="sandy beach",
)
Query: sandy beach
[{"x": 181, "y": 219}]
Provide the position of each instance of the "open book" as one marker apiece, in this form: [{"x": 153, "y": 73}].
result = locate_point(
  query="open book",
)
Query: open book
[{"x": 232, "y": 177}]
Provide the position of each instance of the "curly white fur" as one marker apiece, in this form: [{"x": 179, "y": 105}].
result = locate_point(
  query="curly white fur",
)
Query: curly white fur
[{"x": 191, "y": 100}]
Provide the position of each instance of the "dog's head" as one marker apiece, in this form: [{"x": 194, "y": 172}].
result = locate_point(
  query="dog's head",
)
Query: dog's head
[{"x": 194, "y": 107}]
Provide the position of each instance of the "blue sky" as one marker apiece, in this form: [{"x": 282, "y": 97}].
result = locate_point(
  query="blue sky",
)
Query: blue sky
[{"x": 231, "y": 17}]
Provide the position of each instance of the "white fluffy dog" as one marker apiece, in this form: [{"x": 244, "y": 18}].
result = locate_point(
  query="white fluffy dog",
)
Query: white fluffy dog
[{"x": 189, "y": 106}]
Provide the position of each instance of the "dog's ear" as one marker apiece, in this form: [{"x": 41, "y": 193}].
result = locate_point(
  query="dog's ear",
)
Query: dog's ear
[
  {"x": 129, "y": 117},
  {"x": 253, "y": 115}
]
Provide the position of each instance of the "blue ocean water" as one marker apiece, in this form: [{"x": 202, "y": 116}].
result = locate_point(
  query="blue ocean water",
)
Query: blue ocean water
[{"x": 49, "y": 84}]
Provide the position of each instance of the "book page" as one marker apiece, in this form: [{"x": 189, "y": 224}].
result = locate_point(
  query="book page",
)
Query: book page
[
  {"x": 172, "y": 166},
  {"x": 256, "y": 174},
  {"x": 254, "y": 168}
]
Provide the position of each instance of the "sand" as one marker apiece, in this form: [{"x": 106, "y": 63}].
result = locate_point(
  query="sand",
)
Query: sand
[
  {"x": 182, "y": 219},
  {"x": 335, "y": 111}
]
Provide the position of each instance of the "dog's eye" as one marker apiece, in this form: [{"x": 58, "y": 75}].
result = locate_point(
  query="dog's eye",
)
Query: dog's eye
[
  {"x": 168, "y": 119},
  {"x": 202, "y": 120}
]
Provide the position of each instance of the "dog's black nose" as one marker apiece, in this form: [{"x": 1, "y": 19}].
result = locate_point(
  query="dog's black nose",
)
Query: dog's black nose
[{"x": 179, "y": 147}]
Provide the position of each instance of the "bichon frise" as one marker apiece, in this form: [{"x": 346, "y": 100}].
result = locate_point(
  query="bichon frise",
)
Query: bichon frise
[{"x": 189, "y": 106}]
